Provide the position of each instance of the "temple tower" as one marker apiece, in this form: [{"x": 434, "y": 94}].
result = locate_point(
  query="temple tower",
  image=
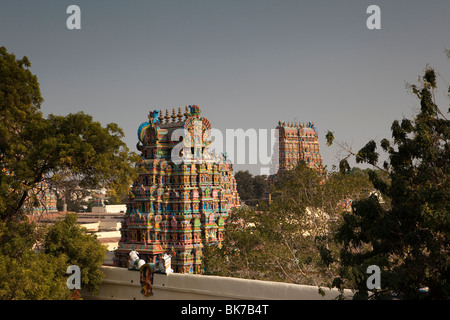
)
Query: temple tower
[
  {"x": 298, "y": 142},
  {"x": 183, "y": 195}
]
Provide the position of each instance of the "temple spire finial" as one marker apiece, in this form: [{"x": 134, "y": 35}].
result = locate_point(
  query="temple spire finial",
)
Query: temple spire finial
[
  {"x": 167, "y": 117},
  {"x": 174, "y": 116},
  {"x": 180, "y": 115}
]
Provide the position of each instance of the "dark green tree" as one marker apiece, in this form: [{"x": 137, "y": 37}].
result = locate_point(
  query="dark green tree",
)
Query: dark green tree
[
  {"x": 260, "y": 186},
  {"x": 20, "y": 100},
  {"x": 245, "y": 187},
  {"x": 251, "y": 189},
  {"x": 409, "y": 236}
]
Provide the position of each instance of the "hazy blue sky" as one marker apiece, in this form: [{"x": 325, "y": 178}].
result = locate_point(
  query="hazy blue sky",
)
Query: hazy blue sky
[{"x": 246, "y": 63}]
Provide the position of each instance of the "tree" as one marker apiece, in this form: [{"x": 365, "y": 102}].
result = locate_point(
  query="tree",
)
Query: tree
[
  {"x": 36, "y": 153},
  {"x": 20, "y": 100},
  {"x": 240, "y": 254},
  {"x": 30, "y": 272},
  {"x": 67, "y": 238},
  {"x": 251, "y": 188},
  {"x": 260, "y": 186},
  {"x": 58, "y": 150},
  {"x": 244, "y": 182},
  {"x": 286, "y": 240},
  {"x": 24, "y": 274},
  {"x": 409, "y": 237}
]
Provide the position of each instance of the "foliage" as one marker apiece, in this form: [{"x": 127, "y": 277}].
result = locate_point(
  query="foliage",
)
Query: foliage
[
  {"x": 38, "y": 277},
  {"x": 66, "y": 237},
  {"x": 286, "y": 240},
  {"x": 67, "y": 153},
  {"x": 24, "y": 274},
  {"x": 244, "y": 184},
  {"x": 20, "y": 100},
  {"x": 409, "y": 239},
  {"x": 240, "y": 250},
  {"x": 85, "y": 152},
  {"x": 251, "y": 188},
  {"x": 57, "y": 149},
  {"x": 27, "y": 273}
]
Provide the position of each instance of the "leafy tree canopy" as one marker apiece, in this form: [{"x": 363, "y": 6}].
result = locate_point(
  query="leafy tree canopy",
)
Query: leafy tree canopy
[
  {"x": 410, "y": 238},
  {"x": 285, "y": 240},
  {"x": 251, "y": 188},
  {"x": 34, "y": 259},
  {"x": 67, "y": 238},
  {"x": 56, "y": 149}
]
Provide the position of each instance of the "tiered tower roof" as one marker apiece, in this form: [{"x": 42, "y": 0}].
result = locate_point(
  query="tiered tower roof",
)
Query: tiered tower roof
[{"x": 183, "y": 195}]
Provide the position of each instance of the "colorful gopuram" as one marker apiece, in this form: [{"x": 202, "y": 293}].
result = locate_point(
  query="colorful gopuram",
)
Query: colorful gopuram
[
  {"x": 183, "y": 194},
  {"x": 41, "y": 200},
  {"x": 298, "y": 142}
]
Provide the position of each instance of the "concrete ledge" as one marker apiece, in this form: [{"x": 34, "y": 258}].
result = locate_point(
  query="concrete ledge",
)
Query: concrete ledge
[
  {"x": 124, "y": 284},
  {"x": 110, "y": 226},
  {"x": 93, "y": 227},
  {"x": 107, "y": 234}
]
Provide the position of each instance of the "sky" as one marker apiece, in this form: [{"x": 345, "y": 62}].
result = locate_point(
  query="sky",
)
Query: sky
[{"x": 247, "y": 63}]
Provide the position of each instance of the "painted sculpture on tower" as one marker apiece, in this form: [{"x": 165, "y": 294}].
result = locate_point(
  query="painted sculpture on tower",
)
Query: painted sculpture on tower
[{"x": 183, "y": 194}]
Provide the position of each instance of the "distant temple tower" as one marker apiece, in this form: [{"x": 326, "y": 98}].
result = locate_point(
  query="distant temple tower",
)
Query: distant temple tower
[
  {"x": 44, "y": 196},
  {"x": 182, "y": 196},
  {"x": 298, "y": 142}
]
